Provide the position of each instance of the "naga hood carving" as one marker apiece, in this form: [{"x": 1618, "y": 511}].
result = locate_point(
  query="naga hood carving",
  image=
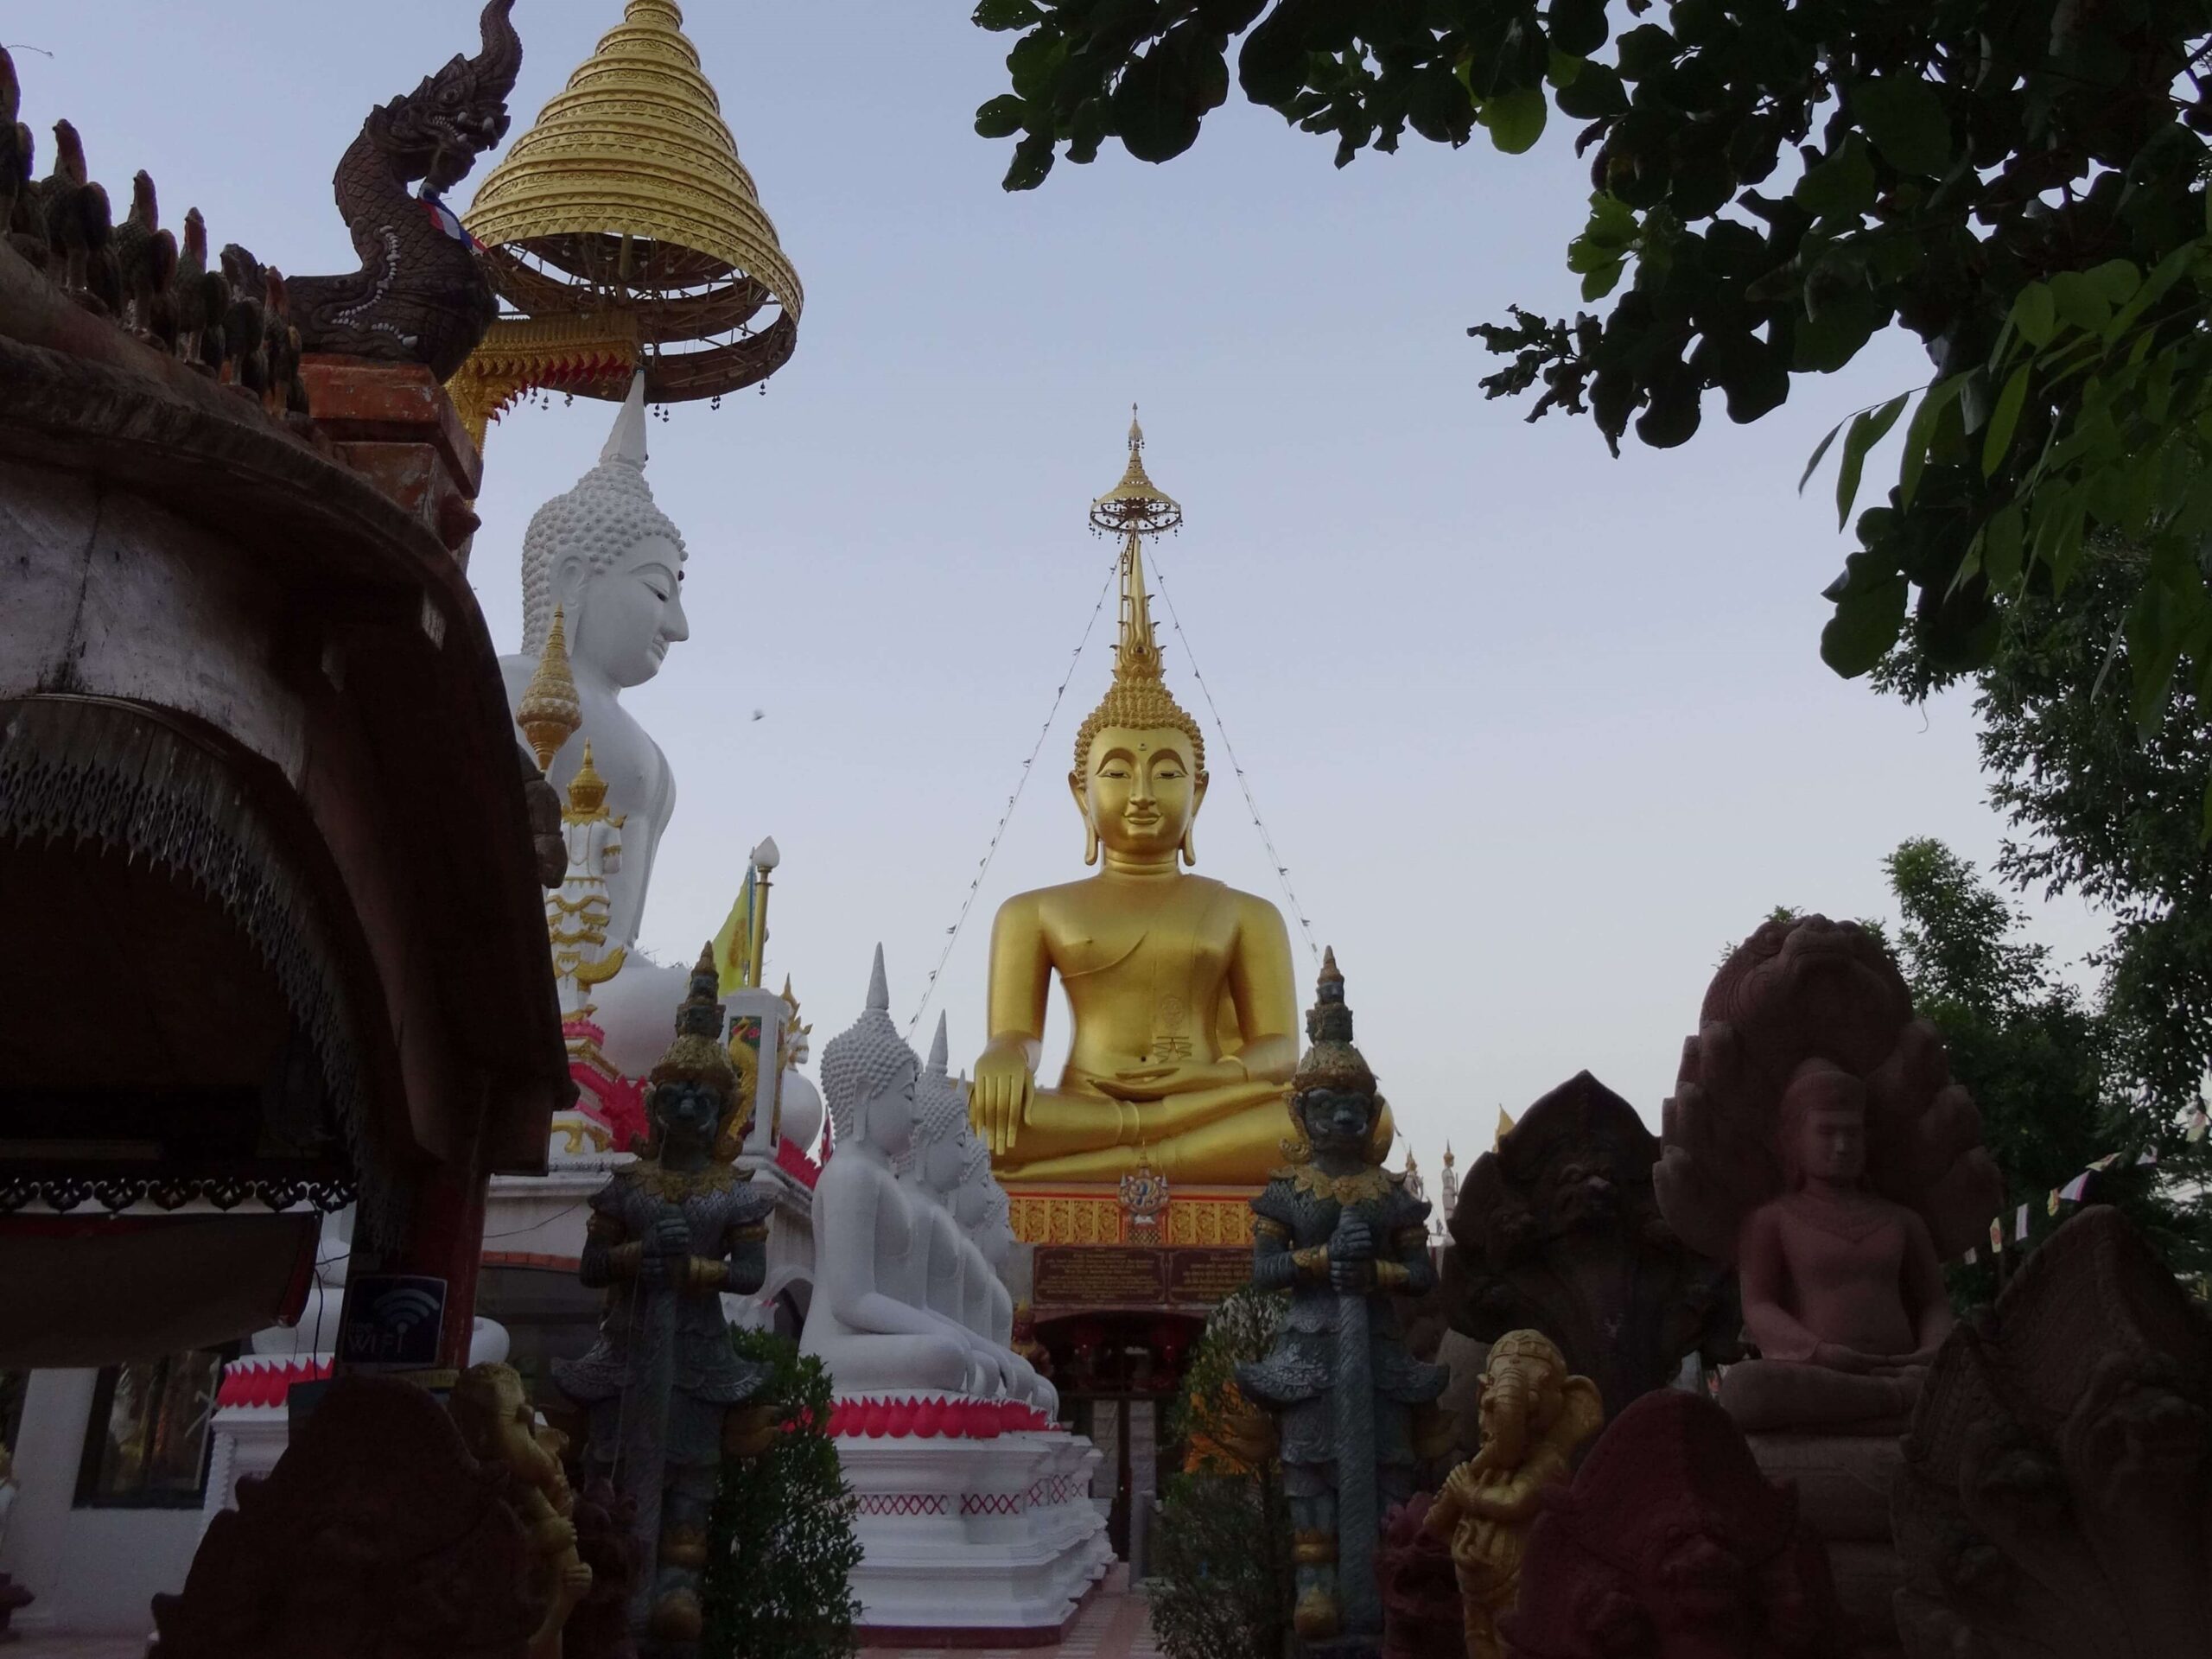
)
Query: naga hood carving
[{"x": 420, "y": 295}]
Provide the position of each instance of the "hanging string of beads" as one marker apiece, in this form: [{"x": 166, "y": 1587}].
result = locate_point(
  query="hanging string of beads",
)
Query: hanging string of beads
[
  {"x": 1283, "y": 870},
  {"x": 1028, "y": 768}
]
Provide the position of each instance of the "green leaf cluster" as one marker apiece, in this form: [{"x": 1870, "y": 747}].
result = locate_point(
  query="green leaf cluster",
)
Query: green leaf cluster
[
  {"x": 2052, "y": 1071},
  {"x": 2102, "y": 807},
  {"x": 781, "y": 1549},
  {"x": 2021, "y": 186}
]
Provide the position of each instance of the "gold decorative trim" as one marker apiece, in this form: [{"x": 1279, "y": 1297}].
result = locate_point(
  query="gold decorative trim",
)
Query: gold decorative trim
[
  {"x": 1217, "y": 1219},
  {"x": 1363, "y": 1184}
]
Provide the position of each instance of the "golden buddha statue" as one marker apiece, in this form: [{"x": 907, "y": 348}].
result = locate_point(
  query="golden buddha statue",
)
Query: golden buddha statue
[{"x": 1180, "y": 987}]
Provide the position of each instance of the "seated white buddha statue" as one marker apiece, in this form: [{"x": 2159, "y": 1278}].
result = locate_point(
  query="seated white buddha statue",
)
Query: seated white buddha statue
[
  {"x": 931, "y": 1177},
  {"x": 981, "y": 1207},
  {"x": 998, "y": 1244},
  {"x": 612, "y": 564},
  {"x": 869, "y": 1323}
]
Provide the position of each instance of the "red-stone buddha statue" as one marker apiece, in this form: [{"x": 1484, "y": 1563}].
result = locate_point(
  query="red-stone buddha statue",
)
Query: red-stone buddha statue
[
  {"x": 1842, "y": 1291},
  {"x": 1816, "y": 1140}
]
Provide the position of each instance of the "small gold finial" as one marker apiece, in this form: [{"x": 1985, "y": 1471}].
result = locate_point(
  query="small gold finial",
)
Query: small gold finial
[
  {"x": 1136, "y": 506},
  {"x": 1134, "y": 509},
  {"x": 549, "y": 713},
  {"x": 587, "y": 793}
]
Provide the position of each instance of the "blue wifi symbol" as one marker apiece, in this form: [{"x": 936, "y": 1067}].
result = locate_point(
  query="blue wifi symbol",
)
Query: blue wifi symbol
[{"x": 404, "y": 1309}]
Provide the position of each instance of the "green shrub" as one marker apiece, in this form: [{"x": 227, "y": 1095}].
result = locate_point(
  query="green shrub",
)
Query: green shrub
[
  {"x": 1221, "y": 1582},
  {"x": 781, "y": 1549}
]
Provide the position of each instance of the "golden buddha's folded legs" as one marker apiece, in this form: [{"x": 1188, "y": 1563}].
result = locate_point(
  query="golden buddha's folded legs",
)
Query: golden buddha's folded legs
[{"x": 1217, "y": 1135}]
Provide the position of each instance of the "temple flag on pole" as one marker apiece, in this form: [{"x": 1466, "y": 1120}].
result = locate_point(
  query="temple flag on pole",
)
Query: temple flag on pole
[
  {"x": 1504, "y": 1128},
  {"x": 733, "y": 945}
]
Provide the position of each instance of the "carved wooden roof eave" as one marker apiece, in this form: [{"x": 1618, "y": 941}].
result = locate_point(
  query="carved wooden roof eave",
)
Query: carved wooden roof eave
[{"x": 85, "y": 397}]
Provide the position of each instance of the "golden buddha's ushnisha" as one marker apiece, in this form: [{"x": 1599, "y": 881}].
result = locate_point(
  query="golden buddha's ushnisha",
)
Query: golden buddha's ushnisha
[{"x": 1180, "y": 987}]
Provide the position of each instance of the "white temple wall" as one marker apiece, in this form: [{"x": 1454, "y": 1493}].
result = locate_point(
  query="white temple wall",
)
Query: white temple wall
[{"x": 94, "y": 1571}]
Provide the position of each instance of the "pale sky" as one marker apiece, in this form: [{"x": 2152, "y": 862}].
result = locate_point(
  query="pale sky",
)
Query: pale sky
[{"x": 1536, "y": 731}]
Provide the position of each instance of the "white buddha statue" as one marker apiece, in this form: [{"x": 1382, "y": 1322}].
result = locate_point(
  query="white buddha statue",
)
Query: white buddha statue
[
  {"x": 931, "y": 1177},
  {"x": 612, "y": 564},
  {"x": 986, "y": 1241},
  {"x": 868, "y": 1324}
]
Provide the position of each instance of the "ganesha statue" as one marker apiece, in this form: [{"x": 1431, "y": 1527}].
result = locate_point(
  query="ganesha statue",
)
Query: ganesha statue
[
  {"x": 1534, "y": 1417},
  {"x": 500, "y": 1425}
]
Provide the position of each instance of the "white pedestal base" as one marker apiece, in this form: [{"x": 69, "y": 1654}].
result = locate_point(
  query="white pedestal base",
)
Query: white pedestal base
[{"x": 973, "y": 1541}]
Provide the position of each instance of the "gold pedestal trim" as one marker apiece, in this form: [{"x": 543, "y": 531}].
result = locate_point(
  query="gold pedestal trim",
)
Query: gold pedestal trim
[{"x": 1068, "y": 1213}]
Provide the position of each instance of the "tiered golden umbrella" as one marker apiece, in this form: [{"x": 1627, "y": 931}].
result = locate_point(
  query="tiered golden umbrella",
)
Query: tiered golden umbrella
[{"x": 623, "y": 233}]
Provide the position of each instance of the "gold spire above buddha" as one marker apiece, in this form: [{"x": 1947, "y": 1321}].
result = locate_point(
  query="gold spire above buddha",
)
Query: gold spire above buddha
[{"x": 1180, "y": 987}]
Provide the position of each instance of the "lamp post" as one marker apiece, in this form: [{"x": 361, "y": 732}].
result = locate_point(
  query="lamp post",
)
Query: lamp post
[{"x": 765, "y": 857}]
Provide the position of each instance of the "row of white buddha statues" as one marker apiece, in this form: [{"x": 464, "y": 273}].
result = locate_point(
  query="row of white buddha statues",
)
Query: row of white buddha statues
[{"x": 912, "y": 1233}]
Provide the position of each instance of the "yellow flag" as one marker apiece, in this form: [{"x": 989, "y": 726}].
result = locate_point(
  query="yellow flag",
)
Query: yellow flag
[
  {"x": 1504, "y": 1128},
  {"x": 733, "y": 945}
]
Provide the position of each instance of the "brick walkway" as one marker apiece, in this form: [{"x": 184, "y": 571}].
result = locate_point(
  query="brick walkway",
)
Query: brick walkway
[{"x": 1113, "y": 1624}]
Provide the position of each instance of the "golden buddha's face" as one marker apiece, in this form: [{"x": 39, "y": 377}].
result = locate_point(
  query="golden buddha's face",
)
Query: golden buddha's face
[{"x": 1140, "y": 792}]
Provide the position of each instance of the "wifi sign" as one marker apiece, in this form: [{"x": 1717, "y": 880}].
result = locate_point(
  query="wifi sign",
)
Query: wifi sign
[{"x": 392, "y": 1323}]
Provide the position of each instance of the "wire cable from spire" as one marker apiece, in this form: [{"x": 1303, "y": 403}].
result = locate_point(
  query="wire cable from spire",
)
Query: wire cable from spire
[
  {"x": 1283, "y": 870},
  {"x": 1028, "y": 768}
]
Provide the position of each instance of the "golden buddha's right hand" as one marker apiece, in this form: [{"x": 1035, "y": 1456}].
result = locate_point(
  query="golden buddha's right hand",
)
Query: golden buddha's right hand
[{"x": 998, "y": 1102}]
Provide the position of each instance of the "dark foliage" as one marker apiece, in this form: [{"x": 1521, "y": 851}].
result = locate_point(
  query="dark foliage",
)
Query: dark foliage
[
  {"x": 781, "y": 1546},
  {"x": 2020, "y": 186}
]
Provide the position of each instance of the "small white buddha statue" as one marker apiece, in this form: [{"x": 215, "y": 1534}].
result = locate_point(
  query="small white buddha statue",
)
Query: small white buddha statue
[
  {"x": 981, "y": 1207},
  {"x": 998, "y": 1244},
  {"x": 931, "y": 1177},
  {"x": 612, "y": 564},
  {"x": 868, "y": 1324}
]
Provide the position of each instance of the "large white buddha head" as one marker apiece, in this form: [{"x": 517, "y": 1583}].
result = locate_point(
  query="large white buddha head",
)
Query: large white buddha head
[
  {"x": 868, "y": 1076},
  {"x": 610, "y": 560}
]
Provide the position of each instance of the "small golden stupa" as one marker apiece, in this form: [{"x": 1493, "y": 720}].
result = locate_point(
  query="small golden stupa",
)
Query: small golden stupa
[
  {"x": 624, "y": 234},
  {"x": 549, "y": 713}
]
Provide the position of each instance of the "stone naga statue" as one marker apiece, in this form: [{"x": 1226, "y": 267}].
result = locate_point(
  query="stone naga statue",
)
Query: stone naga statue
[
  {"x": 1534, "y": 1417},
  {"x": 869, "y": 1323},
  {"x": 609, "y": 562},
  {"x": 499, "y": 1427},
  {"x": 2056, "y": 1494},
  {"x": 1816, "y": 1141},
  {"x": 1557, "y": 1230},
  {"x": 1422, "y": 1615},
  {"x": 668, "y": 1235},
  {"x": 1345, "y": 1238},
  {"x": 1670, "y": 1544},
  {"x": 420, "y": 295}
]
